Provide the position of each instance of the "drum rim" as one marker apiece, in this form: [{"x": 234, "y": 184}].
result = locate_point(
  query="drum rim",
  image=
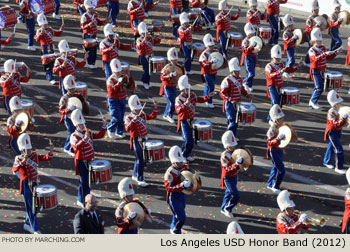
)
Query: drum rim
[
  {"x": 102, "y": 168},
  {"x": 247, "y": 103},
  {"x": 99, "y": 160},
  {"x": 46, "y": 193},
  {"x": 155, "y": 58},
  {"x": 288, "y": 89},
  {"x": 26, "y": 101}
]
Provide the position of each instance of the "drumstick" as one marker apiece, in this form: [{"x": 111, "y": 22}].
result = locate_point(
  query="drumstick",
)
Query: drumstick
[
  {"x": 142, "y": 109},
  {"x": 229, "y": 11},
  {"x": 62, "y": 20},
  {"x": 14, "y": 29},
  {"x": 50, "y": 142}
]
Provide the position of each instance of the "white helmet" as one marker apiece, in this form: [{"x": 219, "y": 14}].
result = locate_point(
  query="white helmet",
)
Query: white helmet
[
  {"x": 88, "y": 4},
  {"x": 184, "y": 18},
  {"x": 223, "y": 5},
  {"x": 41, "y": 19},
  {"x": 77, "y": 117},
  {"x": 172, "y": 54},
  {"x": 249, "y": 29},
  {"x": 63, "y": 46},
  {"x": 208, "y": 40},
  {"x": 183, "y": 83},
  {"x": 9, "y": 66},
  {"x": 234, "y": 228},
  {"x": 233, "y": 65},
  {"x": 228, "y": 139},
  {"x": 333, "y": 98},
  {"x": 316, "y": 34},
  {"x": 125, "y": 188},
  {"x": 253, "y": 3},
  {"x": 134, "y": 103},
  {"x": 116, "y": 66},
  {"x": 284, "y": 200},
  {"x": 23, "y": 142},
  {"x": 69, "y": 82},
  {"x": 276, "y": 112},
  {"x": 288, "y": 20},
  {"x": 107, "y": 30},
  {"x": 142, "y": 28},
  {"x": 276, "y": 52},
  {"x": 348, "y": 175},
  {"x": 15, "y": 103},
  {"x": 336, "y": 4},
  {"x": 315, "y": 5},
  {"x": 175, "y": 155}
]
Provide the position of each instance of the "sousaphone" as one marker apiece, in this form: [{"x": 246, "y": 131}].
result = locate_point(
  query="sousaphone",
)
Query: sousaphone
[
  {"x": 141, "y": 214},
  {"x": 301, "y": 36},
  {"x": 290, "y": 134},
  {"x": 247, "y": 158},
  {"x": 345, "y": 110},
  {"x": 259, "y": 43},
  {"x": 174, "y": 68},
  {"x": 194, "y": 178},
  {"x": 217, "y": 56}
]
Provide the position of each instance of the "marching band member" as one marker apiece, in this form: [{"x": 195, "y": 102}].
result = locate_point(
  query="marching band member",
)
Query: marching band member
[
  {"x": 289, "y": 42},
  {"x": 13, "y": 125},
  {"x": 28, "y": 18},
  {"x": 234, "y": 228},
  {"x": 185, "y": 106},
  {"x": 137, "y": 15},
  {"x": 185, "y": 34},
  {"x": 175, "y": 198},
  {"x": 248, "y": 57},
  {"x": 333, "y": 133},
  {"x": 273, "y": 11},
  {"x": 11, "y": 82},
  {"x": 88, "y": 23},
  {"x": 207, "y": 13},
  {"x": 254, "y": 16},
  {"x": 318, "y": 57},
  {"x": 45, "y": 35},
  {"x": 113, "y": 10},
  {"x": 222, "y": 21},
  {"x": 136, "y": 123},
  {"x": 175, "y": 8},
  {"x": 273, "y": 152},
  {"x": 26, "y": 166},
  {"x": 310, "y": 25},
  {"x": 144, "y": 46},
  {"x": 82, "y": 143},
  {"x": 229, "y": 174},
  {"x": 66, "y": 63},
  {"x": 346, "y": 215},
  {"x": 109, "y": 47},
  {"x": 287, "y": 222},
  {"x": 334, "y": 24},
  {"x": 231, "y": 89},
  {"x": 208, "y": 69},
  {"x": 168, "y": 87}
]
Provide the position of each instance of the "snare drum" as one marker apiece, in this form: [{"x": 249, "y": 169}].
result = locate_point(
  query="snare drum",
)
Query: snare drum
[
  {"x": 125, "y": 68},
  {"x": 247, "y": 112},
  {"x": 157, "y": 63},
  {"x": 235, "y": 39},
  {"x": 43, "y": 6},
  {"x": 8, "y": 17},
  {"x": 28, "y": 106},
  {"x": 198, "y": 48},
  {"x": 99, "y": 3},
  {"x": 155, "y": 150},
  {"x": 46, "y": 197},
  {"x": 194, "y": 13},
  {"x": 48, "y": 58},
  {"x": 203, "y": 130},
  {"x": 89, "y": 42},
  {"x": 290, "y": 96},
  {"x": 333, "y": 80},
  {"x": 175, "y": 18},
  {"x": 101, "y": 171},
  {"x": 81, "y": 88},
  {"x": 265, "y": 33}
]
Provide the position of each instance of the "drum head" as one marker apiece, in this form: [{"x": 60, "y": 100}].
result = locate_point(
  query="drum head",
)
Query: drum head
[
  {"x": 246, "y": 155},
  {"x": 74, "y": 101},
  {"x": 236, "y": 35},
  {"x": 45, "y": 189},
  {"x": 290, "y": 90},
  {"x": 247, "y": 106},
  {"x": 26, "y": 103},
  {"x": 24, "y": 117},
  {"x": 202, "y": 124},
  {"x": 286, "y": 130},
  {"x": 100, "y": 164},
  {"x": 334, "y": 75},
  {"x": 194, "y": 178},
  {"x": 265, "y": 28},
  {"x": 198, "y": 46},
  {"x": 140, "y": 214},
  {"x": 150, "y": 144},
  {"x": 217, "y": 56},
  {"x": 157, "y": 59},
  {"x": 259, "y": 42},
  {"x": 80, "y": 85},
  {"x": 345, "y": 110}
]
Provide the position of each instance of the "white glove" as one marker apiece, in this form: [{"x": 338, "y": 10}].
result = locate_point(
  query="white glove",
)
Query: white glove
[
  {"x": 295, "y": 37},
  {"x": 340, "y": 20},
  {"x": 345, "y": 116},
  {"x": 186, "y": 184},
  {"x": 120, "y": 79},
  {"x": 71, "y": 108},
  {"x": 33, "y": 120},
  {"x": 214, "y": 60},
  {"x": 18, "y": 122},
  {"x": 319, "y": 23},
  {"x": 303, "y": 217},
  {"x": 239, "y": 161},
  {"x": 281, "y": 136},
  {"x": 253, "y": 44},
  {"x": 173, "y": 74},
  {"x": 131, "y": 215},
  {"x": 149, "y": 211}
]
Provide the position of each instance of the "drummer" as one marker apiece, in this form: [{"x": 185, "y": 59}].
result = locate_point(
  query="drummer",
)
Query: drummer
[
  {"x": 185, "y": 106},
  {"x": 82, "y": 143},
  {"x": 289, "y": 41},
  {"x": 318, "y": 60},
  {"x": 137, "y": 15},
  {"x": 45, "y": 35},
  {"x": 335, "y": 22},
  {"x": 249, "y": 57},
  {"x": 175, "y": 198},
  {"x": 222, "y": 21},
  {"x": 273, "y": 12},
  {"x": 14, "y": 126},
  {"x": 136, "y": 123},
  {"x": 109, "y": 47},
  {"x": 28, "y": 17},
  {"x": 254, "y": 16},
  {"x": 168, "y": 86},
  {"x": 311, "y": 24},
  {"x": 231, "y": 90},
  {"x": 25, "y": 166},
  {"x": 11, "y": 82},
  {"x": 175, "y": 9},
  {"x": 207, "y": 13},
  {"x": 335, "y": 123},
  {"x": 88, "y": 23},
  {"x": 229, "y": 174}
]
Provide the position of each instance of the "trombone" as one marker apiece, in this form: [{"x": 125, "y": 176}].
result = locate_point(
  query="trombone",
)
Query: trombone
[{"x": 312, "y": 221}]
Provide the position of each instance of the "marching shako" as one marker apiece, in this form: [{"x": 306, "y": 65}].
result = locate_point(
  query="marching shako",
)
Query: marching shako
[{"x": 234, "y": 228}]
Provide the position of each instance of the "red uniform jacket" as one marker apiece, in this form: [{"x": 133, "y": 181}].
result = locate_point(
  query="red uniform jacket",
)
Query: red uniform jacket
[
  {"x": 11, "y": 85},
  {"x": 115, "y": 89},
  {"x": 206, "y": 65},
  {"x": 144, "y": 46},
  {"x": 45, "y": 36},
  {"x": 247, "y": 50},
  {"x": 109, "y": 52},
  {"x": 231, "y": 88},
  {"x": 177, "y": 4},
  {"x": 166, "y": 80},
  {"x": 255, "y": 16},
  {"x": 272, "y": 141},
  {"x": 288, "y": 41},
  {"x": 172, "y": 180},
  {"x": 333, "y": 122},
  {"x": 228, "y": 169},
  {"x": 346, "y": 215},
  {"x": 122, "y": 223},
  {"x": 68, "y": 69},
  {"x": 347, "y": 61},
  {"x": 274, "y": 75},
  {"x": 11, "y": 128},
  {"x": 62, "y": 106},
  {"x": 89, "y": 23},
  {"x": 135, "y": 13},
  {"x": 273, "y": 6},
  {"x": 318, "y": 58},
  {"x": 185, "y": 34},
  {"x": 310, "y": 24},
  {"x": 223, "y": 23},
  {"x": 289, "y": 225}
]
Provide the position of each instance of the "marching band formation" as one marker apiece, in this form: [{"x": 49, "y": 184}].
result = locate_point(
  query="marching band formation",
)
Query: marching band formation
[{"x": 179, "y": 179}]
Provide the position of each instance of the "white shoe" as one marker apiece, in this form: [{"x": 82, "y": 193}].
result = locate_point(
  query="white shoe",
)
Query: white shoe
[
  {"x": 248, "y": 89},
  {"x": 306, "y": 64},
  {"x": 80, "y": 204},
  {"x": 120, "y": 136},
  {"x": 92, "y": 66},
  {"x": 271, "y": 123},
  {"x": 314, "y": 105},
  {"x": 329, "y": 166},
  {"x": 169, "y": 119},
  {"x": 28, "y": 228},
  {"x": 339, "y": 171},
  {"x": 142, "y": 183},
  {"x": 37, "y": 232},
  {"x": 56, "y": 16},
  {"x": 68, "y": 152},
  {"x": 52, "y": 82},
  {"x": 227, "y": 214},
  {"x": 286, "y": 75},
  {"x": 32, "y": 48},
  {"x": 189, "y": 158},
  {"x": 188, "y": 73},
  {"x": 134, "y": 178},
  {"x": 146, "y": 85},
  {"x": 274, "y": 190},
  {"x": 110, "y": 135},
  {"x": 171, "y": 231},
  {"x": 210, "y": 105}
]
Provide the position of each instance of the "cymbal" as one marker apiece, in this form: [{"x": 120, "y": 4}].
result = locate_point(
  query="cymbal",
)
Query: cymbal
[
  {"x": 346, "y": 17},
  {"x": 219, "y": 57},
  {"x": 258, "y": 41},
  {"x": 301, "y": 36},
  {"x": 195, "y": 180},
  {"x": 246, "y": 155},
  {"x": 345, "y": 110},
  {"x": 24, "y": 117}
]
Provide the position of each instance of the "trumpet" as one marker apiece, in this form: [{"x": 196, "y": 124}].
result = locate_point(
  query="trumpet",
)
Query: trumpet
[{"x": 312, "y": 221}]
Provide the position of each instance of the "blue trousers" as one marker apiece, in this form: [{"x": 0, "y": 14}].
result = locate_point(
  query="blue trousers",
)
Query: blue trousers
[
  {"x": 275, "y": 98},
  {"x": 30, "y": 24},
  {"x": 334, "y": 147},
  {"x": 7, "y": 104},
  {"x": 135, "y": 23},
  {"x": 249, "y": 64},
  {"x": 175, "y": 25},
  {"x": 84, "y": 188},
  {"x": 49, "y": 68},
  {"x": 145, "y": 65},
  {"x": 113, "y": 9},
  {"x": 318, "y": 85},
  {"x": 231, "y": 113},
  {"x": 177, "y": 204},
  {"x": 278, "y": 170},
  {"x": 209, "y": 85},
  {"x": 28, "y": 200},
  {"x": 290, "y": 57},
  {"x": 187, "y": 54},
  {"x": 58, "y": 4},
  {"x": 274, "y": 25},
  {"x": 336, "y": 40},
  {"x": 222, "y": 43},
  {"x": 307, "y": 58},
  {"x": 64, "y": 91},
  {"x": 70, "y": 129},
  {"x": 187, "y": 136},
  {"x": 117, "y": 110},
  {"x": 92, "y": 51},
  {"x": 170, "y": 96},
  {"x": 14, "y": 145},
  {"x": 139, "y": 163},
  {"x": 208, "y": 15},
  {"x": 232, "y": 196},
  {"x": 108, "y": 70}
]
